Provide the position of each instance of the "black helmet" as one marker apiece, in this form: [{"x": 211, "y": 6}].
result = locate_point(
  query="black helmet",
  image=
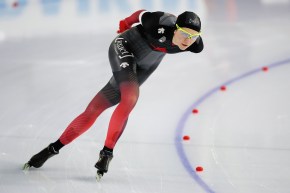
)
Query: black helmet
[{"x": 190, "y": 20}]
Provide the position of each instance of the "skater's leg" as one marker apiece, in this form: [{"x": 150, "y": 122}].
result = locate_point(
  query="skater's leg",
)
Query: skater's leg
[
  {"x": 106, "y": 98},
  {"x": 129, "y": 97}
]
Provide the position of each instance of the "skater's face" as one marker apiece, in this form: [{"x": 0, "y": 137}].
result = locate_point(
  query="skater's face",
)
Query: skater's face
[{"x": 184, "y": 37}]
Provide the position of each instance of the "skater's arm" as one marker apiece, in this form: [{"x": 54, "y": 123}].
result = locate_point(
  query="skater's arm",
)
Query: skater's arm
[{"x": 127, "y": 23}]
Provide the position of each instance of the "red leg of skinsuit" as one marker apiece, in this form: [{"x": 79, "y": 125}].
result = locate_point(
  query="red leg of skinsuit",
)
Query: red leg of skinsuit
[
  {"x": 129, "y": 97},
  {"x": 85, "y": 120}
]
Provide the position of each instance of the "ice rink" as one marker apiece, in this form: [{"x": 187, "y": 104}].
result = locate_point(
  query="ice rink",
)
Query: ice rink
[{"x": 232, "y": 100}]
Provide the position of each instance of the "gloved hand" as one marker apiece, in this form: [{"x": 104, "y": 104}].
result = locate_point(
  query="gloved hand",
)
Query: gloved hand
[{"x": 123, "y": 26}]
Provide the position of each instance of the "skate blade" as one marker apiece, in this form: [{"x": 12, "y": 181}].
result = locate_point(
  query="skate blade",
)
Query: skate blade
[
  {"x": 26, "y": 167},
  {"x": 99, "y": 176}
]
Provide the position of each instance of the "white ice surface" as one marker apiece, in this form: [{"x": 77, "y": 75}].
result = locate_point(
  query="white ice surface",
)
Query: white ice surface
[{"x": 240, "y": 136}]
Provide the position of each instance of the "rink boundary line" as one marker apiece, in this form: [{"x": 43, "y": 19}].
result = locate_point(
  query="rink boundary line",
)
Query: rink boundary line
[{"x": 180, "y": 126}]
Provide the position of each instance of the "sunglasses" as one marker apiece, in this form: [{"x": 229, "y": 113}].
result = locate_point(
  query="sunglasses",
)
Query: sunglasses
[{"x": 188, "y": 35}]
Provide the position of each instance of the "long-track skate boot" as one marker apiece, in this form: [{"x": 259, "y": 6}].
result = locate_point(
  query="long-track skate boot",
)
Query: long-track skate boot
[
  {"x": 39, "y": 159},
  {"x": 103, "y": 163}
]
